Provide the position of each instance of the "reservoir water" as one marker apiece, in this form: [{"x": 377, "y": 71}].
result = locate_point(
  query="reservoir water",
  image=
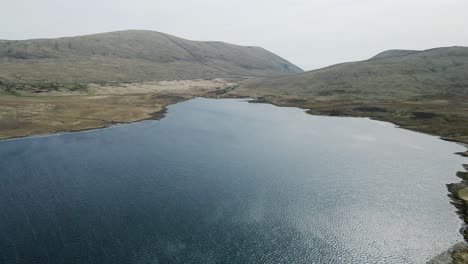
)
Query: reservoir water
[{"x": 227, "y": 181}]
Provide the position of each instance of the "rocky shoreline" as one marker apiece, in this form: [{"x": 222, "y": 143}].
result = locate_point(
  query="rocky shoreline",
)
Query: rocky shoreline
[{"x": 458, "y": 193}]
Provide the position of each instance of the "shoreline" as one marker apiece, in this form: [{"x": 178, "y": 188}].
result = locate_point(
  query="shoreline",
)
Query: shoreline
[
  {"x": 160, "y": 114},
  {"x": 323, "y": 110},
  {"x": 102, "y": 106},
  {"x": 147, "y": 101},
  {"x": 153, "y": 116},
  {"x": 461, "y": 203},
  {"x": 458, "y": 194},
  {"x": 157, "y": 116},
  {"x": 313, "y": 111}
]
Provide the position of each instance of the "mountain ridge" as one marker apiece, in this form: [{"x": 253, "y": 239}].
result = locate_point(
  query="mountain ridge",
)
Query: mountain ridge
[
  {"x": 393, "y": 53},
  {"x": 132, "y": 56},
  {"x": 425, "y": 91},
  {"x": 439, "y": 71}
]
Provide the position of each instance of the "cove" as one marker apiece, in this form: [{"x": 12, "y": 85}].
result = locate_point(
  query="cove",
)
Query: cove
[{"x": 227, "y": 181}]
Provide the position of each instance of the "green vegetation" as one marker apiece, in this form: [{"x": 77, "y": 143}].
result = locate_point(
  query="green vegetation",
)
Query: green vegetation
[
  {"x": 15, "y": 88},
  {"x": 393, "y": 53},
  {"x": 425, "y": 91},
  {"x": 432, "y": 73},
  {"x": 130, "y": 56}
]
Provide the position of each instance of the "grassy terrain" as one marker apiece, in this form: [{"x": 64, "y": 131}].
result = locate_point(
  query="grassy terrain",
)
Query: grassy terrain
[
  {"x": 79, "y": 83},
  {"x": 128, "y": 56},
  {"x": 393, "y": 53},
  {"x": 75, "y": 83},
  {"x": 425, "y": 91},
  {"x": 438, "y": 72},
  {"x": 100, "y": 106}
]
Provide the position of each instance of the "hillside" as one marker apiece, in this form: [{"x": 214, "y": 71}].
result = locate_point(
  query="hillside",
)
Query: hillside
[
  {"x": 130, "y": 56},
  {"x": 393, "y": 53},
  {"x": 425, "y": 90},
  {"x": 435, "y": 72}
]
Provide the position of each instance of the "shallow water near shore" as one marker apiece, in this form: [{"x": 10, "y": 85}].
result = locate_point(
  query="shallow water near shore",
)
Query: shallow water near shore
[{"x": 227, "y": 181}]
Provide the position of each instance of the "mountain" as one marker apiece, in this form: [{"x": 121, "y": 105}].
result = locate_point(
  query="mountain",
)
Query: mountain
[
  {"x": 393, "y": 53},
  {"x": 132, "y": 56},
  {"x": 426, "y": 91},
  {"x": 389, "y": 75}
]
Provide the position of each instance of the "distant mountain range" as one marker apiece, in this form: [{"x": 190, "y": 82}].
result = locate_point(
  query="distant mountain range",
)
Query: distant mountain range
[
  {"x": 421, "y": 90},
  {"x": 132, "y": 56},
  {"x": 137, "y": 55},
  {"x": 392, "y": 74}
]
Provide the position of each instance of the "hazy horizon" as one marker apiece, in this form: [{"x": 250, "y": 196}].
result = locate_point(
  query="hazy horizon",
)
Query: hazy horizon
[{"x": 310, "y": 34}]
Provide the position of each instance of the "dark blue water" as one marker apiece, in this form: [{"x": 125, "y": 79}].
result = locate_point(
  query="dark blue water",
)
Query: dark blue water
[{"x": 225, "y": 181}]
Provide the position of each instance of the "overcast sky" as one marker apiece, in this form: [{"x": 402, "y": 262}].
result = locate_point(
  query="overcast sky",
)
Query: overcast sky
[{"x": 309, "y": 33}]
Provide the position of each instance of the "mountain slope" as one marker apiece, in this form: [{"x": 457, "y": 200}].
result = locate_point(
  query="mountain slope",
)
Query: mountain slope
[
  {"x": 129, "y": 56},
  {"x": 425, "y": 91},
  {"x": 393, "y": 53},
  {"x": 435, "y": 72}
]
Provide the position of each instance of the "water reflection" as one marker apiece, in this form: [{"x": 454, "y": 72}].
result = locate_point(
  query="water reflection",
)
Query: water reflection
[{"x": 225, "y": 181}]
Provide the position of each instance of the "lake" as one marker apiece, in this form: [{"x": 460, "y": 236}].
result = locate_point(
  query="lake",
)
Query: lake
[{"x": 227, "y": 181}]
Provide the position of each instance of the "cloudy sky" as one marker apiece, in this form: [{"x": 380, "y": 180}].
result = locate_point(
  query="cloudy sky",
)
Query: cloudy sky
[{"x": 309, "y": 33}]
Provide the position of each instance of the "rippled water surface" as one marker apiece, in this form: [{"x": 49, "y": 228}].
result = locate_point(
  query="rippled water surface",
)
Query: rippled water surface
[{"x": 225, "y": 181}]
